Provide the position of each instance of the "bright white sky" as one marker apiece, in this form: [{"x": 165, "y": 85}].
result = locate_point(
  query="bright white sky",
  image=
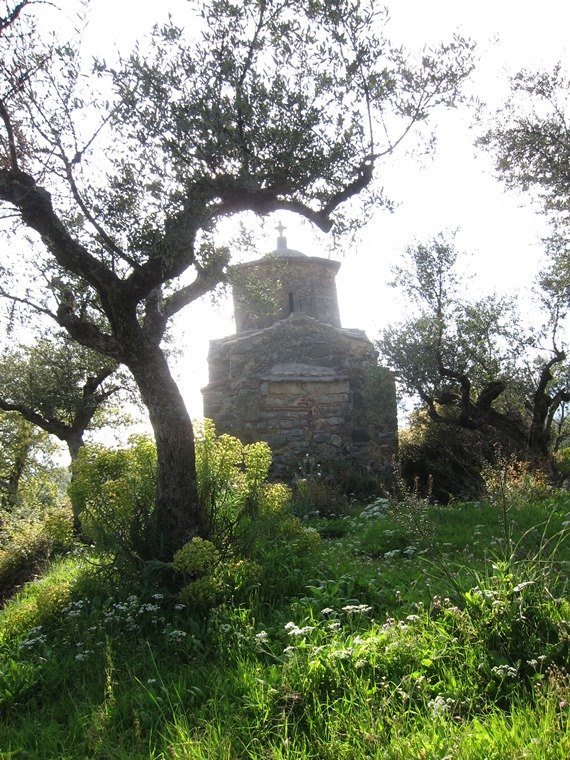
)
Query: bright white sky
[{"x": 453, "y": 189}]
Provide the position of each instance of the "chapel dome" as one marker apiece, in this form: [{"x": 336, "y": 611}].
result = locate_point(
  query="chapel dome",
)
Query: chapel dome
[{"x": 282, "y": 250}]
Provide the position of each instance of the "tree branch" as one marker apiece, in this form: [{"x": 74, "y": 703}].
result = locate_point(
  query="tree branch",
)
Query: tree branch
[
  {"x": 104, "y": 237},
  {"x": 12, "y": 149},
  {"x": 8, "y": 20},
  {"x": 207, "y": 280},
  {"x": 55, "y": 427},
  {"x": 36, "y": 211},
  {"x": 88, "y": 334},
  {"x": 26, "y": 302}
]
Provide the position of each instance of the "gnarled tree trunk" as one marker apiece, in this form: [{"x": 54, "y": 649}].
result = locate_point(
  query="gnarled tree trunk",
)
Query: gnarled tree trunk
[{"x": 178, "y": 513}]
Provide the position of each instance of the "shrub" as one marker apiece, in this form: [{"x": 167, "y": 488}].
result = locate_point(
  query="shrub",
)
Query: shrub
[
  {"x": 30, "y": 545},
  {"x": 208, "y": 580},
  {"x": 114, "y": 492},
  {"x": 231, "y": 480},
  {"x": 196, "y": 558},
  {"x": 447, "y": 461},
  {"x": 511, "y": 482}
]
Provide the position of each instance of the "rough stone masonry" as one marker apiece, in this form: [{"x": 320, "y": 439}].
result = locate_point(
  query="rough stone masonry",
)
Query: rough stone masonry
[{"x": 292, "y": 376}]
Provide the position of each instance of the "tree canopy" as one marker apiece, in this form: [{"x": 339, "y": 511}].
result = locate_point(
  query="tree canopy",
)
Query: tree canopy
[
  {"x": 59, "y": 386},
  {"x": 530, "y": 140},
  {"x": 120, "y": 177},
  {"x": 474, "y": 363}
]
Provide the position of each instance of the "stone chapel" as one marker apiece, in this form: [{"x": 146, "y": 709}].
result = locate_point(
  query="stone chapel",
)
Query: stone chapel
[{"x": 293, "y": 376}]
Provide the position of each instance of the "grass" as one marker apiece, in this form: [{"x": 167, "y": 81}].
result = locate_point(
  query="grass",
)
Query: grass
[{"x": 416, "y": 632}]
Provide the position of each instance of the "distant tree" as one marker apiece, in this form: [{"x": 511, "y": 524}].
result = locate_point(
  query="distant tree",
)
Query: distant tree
[
  {"x": 121, "y": 179},
  {"x": 61, "y": 387},
  {"x": 530, "y": 140},
  {"x": 472, "y": 364},
  {"x": 22, "y": 446}
]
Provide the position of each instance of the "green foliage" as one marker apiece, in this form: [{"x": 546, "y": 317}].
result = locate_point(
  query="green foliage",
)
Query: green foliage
[
  {"x": 447, "y": 461},
  {"x": 114, "y": 492},
  {"x": 529, "y": 138},
  {"x": 231, "y": 480},
  {"x": 197, "y": 557},
  {"x": 28, "y": 546},
  {"x": 24, "y": 465},
  {"x": 316, "y": 497},
  {"x": 510, "y": 482},
  {"x": 344, "y": 656},
  {"x": 251, "y": 524},
  {"x": 62, "y": 384},
  {"x": 475, "y": 364},
  {"x": 210, "y": 580}
]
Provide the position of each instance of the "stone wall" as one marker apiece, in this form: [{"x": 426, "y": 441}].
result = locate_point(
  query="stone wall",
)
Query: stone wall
[
  {"x": 300, "y": 385},
  {"x": 272, "y": 288}
]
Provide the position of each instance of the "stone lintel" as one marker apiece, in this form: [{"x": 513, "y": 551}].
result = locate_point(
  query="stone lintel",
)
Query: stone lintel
[{"x": 303, "y": 373}]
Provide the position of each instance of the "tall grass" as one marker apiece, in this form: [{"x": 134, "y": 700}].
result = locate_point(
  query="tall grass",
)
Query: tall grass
[{"x": 386, "y": 641}]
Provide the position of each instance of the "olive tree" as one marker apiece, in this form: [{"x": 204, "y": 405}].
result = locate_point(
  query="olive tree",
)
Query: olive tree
[
  {"x": 120, "y": 178},
  {"x": 529, "y": 138},
  {"x": 61, "y": 387},
  {"x": 23, "y": 450},
  {"x": 474, "y": 364}
]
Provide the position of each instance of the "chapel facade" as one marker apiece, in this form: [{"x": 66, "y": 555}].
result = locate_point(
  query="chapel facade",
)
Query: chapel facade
[{"x": 293, "y": 376}]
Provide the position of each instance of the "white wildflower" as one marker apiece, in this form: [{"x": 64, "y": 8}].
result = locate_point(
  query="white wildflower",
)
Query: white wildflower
[{"x": 352, "y": 609}]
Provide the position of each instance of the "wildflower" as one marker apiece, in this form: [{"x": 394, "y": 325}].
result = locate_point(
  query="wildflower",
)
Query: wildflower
[
  {"x": 505, "y": 671},
  {"x": 148, "y": 608},
  {"x": 340, "y": 654},
  {"x": 30, "y": 643},
  {"x": 351, "y": 609},
  {"x": 327, "y": 611},
  {"x": 296, "y": 631},
  {"x": 176, "y": 635},
  {"x": 440, "y": 705},
  {"x": 179, "y": 607},
  {"x": 261, "y": 637}
]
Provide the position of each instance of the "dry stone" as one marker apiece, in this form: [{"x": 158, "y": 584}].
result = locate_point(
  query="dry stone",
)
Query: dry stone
[{"x": 292, "y": 376}]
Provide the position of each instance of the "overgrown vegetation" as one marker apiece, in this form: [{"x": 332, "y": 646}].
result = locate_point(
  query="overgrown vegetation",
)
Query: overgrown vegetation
[{"x": 392, "y": 629}]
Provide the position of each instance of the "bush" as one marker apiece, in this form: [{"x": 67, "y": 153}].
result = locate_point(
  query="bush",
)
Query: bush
[
  {"x": 209, "y": 580},
  {"x": 511, "y": 482},
  {"x": 231, "y": 480},
  {"x": 30, "y": 545},
  {"x": 114, "y": 492},
  {"x": 446, "y": 461}
]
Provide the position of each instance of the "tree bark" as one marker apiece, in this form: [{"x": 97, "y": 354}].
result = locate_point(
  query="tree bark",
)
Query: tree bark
[
  {"x": 178, "y": 513},
  {"x": 74, "y": 443}
]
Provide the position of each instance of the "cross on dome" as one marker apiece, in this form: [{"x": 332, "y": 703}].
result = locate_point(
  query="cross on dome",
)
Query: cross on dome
[{"x": 281, "y": 240}]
